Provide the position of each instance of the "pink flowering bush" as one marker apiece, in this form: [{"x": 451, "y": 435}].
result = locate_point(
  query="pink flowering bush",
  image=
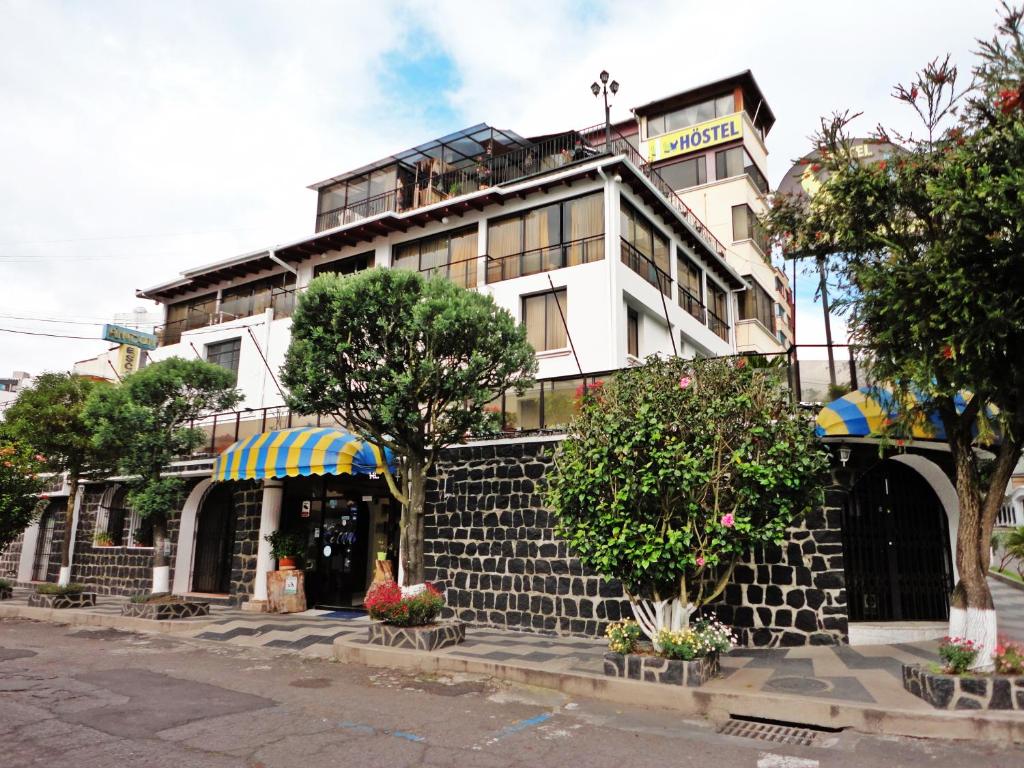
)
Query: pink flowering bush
[
  {"x": 957, "y": 655},
  {"x": 1009, "y": 657}
]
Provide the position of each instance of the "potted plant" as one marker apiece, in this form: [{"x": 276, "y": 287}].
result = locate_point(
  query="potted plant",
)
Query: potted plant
[
  {"x": 286, "y": 548},
  {"x": 687, "y": 656},
  {"x": 406, "y": 617},
  {"x": 103, "y": 539}
]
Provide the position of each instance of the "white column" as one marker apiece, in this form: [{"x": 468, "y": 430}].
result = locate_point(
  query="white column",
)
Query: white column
[
  {"x": 270, "y": 521},
  {"x": 29, "y": 544}
]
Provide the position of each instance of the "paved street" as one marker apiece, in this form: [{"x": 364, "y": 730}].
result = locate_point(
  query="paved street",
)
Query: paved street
[{"x": 101, "y": 697}]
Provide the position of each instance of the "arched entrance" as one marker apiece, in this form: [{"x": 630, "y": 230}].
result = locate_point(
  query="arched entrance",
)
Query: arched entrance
[
  {"x": 896, "y": 547},
  {"x": 44, "y": 544},
  {"x": 215, "y": 538}
]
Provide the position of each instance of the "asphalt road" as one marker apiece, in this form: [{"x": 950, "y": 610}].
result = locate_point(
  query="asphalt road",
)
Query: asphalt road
[{"x": 99, "y": 698}]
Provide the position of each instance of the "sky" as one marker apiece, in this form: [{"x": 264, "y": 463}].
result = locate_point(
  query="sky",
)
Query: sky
[{"x": 139, "y": 139}]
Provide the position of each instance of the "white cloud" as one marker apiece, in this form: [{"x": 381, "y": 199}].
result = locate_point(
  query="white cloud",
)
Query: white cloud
[{"x": 125, "y": 119}]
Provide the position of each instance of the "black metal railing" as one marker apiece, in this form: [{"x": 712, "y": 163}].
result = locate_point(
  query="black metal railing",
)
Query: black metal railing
[
  {"x": 645, "y": 266},
  {"x": 691, "y": 304},
  {"x": 717, "y": 325},
  {"x": 569, "y": 254},
  {"x": 281, "y": 300}
]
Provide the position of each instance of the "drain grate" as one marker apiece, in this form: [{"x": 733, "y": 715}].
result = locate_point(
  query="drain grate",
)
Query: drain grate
[{"x": 769, "y": 730}]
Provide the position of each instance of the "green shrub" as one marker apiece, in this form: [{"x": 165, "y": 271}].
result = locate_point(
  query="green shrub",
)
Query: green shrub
[
  {"x": 56, "y": 589},
  {"x": 5, "y": 584},
  {"x": 957, "y": 654},
  {"x": 151, "y": 597},
  {"x": 1009, "y": 658}
]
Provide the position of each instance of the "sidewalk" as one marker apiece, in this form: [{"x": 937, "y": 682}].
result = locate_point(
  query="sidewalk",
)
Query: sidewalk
[{"x": 825, "y": 687}]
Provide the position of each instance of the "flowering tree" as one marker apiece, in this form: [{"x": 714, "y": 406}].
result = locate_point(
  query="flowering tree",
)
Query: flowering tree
[
  {"x": 20, "y": 485},
  {"x": 672, "y": 471},
  {"x": 930, "y": 252}
]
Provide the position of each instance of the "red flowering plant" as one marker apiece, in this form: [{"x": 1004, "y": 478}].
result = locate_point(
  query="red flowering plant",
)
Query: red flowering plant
[
  {"x": 390, "y": 603},
  {"x": 957, "y": 654},
  {"x": 1009, "y": 657}
]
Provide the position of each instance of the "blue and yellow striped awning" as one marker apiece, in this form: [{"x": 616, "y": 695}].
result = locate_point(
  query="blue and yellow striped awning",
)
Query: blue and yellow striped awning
[
  {"x": 869, "y": 411},
  {"x": 301, "y": 451}
]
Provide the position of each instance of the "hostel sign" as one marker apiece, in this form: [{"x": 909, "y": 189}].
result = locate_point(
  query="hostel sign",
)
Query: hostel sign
[
  {"x": 694, "y": 137},
  {"x": 121, "y": 335}
]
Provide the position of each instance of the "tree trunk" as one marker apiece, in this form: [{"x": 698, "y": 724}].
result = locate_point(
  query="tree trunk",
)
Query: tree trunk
[
  {"x": 654, "y": 615},
  {"x": 161, "y": 570},
  {"x": 972, "y": 614},
  {"x": 414, "y": 528},
  {"x": 69, "y": 522}
]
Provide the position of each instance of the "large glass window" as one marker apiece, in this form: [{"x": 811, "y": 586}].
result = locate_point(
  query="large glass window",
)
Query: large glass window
[
  {"x": 736, "y": 162},
  {"x": 644, "y": 249},
  {"x": 691, "y": 288},
  {"x": 745, "y": 226},
  {"x": 686, "y": 174},
  {"x": 345, "y": 266},
  {"x": 691, "y": 115},
  {"x": 756, "y": 304},
  {"x": 257, "y": 296},
  {"x": 542, "y": 316},
  {"x": 188, "y": 315},
  {"x": 558, "y": 235},
  {"x": 718, "y": 311},
  {"x": 451, "y": 254},
  {"x": 225, "y": 354}
]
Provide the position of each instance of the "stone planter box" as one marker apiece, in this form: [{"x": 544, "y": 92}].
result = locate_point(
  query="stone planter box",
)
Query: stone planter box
[
  {"x": 6, "y": 593},
  {"x": 427, "y": 638},
  {"x": 165, "y": 611},
  {"x": 964, "y": 691},
  {"x": 80, "y": 600},
  {"x": 655, "y": 669}
]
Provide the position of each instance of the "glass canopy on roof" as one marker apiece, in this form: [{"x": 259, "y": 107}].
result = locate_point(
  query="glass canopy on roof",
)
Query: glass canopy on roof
[{"x": 460, "y": 149}]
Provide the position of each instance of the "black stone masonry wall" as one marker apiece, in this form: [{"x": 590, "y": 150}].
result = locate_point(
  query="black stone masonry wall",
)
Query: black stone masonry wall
[{"x": 490, "y": 541}]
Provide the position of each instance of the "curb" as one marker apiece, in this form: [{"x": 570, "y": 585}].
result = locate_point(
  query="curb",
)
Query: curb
[
  {"x": 1006, "y": 580},
  {"x": 85, "y": 618},
  {"x": 716, "y": 706}
]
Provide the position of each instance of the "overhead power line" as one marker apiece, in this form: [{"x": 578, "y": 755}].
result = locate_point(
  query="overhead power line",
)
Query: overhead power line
[{"x": 51, "y": 335}]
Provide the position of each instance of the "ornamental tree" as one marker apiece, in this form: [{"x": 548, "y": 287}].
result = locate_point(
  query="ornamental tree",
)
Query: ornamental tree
[
  {"x": 411, "y": 364},
  {"x": 929, "y": 249},
  {"x": 20, "y": 486},
  {"x": 48, "y": 417},
  {"x": 672, "y": 471},
  {"x": 145, "y": 421}
]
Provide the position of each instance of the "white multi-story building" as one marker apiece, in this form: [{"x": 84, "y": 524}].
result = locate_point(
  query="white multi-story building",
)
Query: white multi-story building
[{"x": 577, "y": 240}]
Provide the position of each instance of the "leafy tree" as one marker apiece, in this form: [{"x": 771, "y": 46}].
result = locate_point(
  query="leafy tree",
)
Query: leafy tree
[
  {"x": 48, "y": 416},
  {"x": 20, "y": 486},
  {"x": 145, "y": 421},
  {"x": 673, "y": 470},
  {"x": 408, "y": 362},
  {"x": 929, "y": 248}
]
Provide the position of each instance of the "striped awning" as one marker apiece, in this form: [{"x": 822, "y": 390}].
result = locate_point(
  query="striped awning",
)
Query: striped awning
[
  {"x": 301, "y": 451},
  {"x": 868, "y": 412}
]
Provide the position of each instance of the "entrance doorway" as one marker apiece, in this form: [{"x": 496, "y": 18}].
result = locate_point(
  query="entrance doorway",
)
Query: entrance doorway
[
  {"x": 348, "y": 523},
  {"x": 41, "y": 564},
  {"x": 896, "y": 547},
  {"x": 215, "y": 539}
]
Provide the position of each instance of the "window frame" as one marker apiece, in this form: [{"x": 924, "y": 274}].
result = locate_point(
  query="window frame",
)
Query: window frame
[
  {"x": 755, "y": 232},
  {"x": 359, "y": 261},
  {"x": 757, "y": 178},
  {"x": 560, "y": 295},
  {"x": 436, "y": 269},
  {"x": 701, "y": 162},
  {"x": 764, "y": 305},
  {"x": 236, "y": 352},
  {"x": 632, "y": 332},
  {"x": 662, "y": 277}
]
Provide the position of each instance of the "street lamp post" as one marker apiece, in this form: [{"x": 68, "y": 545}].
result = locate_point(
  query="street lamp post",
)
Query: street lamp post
[{"x": 597, "y": 90}]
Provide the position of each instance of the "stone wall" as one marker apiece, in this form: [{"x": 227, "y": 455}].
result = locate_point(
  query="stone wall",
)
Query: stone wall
[
  {"x": 10, "y": 558},
  {"x": 794, "y": 593},
  {"x": 248, "y": 506},
  {"x": 489, "y": 538}
]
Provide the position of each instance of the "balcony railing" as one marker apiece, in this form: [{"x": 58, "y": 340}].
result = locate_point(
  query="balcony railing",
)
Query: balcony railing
[
  {"x": 537, "y": 260},
  {"x": 644, "y": 266},
  {"x": 718, "y": 326},
  {"x": 692, "y": 305},
  {"x": 281, "y": 300}
]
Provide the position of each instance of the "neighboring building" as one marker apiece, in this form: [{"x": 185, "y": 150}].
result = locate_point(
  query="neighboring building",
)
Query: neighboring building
[
  {"x": 1011, "y": 514},
  {"x": 120, "y": 360},
  {"x": 10, "y": 386},
  {"x": 708, "y": 143}
]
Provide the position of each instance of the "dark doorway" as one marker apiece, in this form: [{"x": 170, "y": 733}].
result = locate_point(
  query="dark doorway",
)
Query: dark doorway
[
  {"x": 896, "y": 548},
  {"x": 215, "y": 539},
  {"x": 44, "y": 546}
]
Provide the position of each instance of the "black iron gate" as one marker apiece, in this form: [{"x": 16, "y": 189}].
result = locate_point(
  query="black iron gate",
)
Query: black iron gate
[
  {"x": 896, "y": 548},
  {"x": 215, "y": 539}
]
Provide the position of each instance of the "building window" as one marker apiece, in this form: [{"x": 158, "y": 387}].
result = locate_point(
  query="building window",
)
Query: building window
[
  {"x": 736, "y": 162},
  {"x": 645, "y": 249},
  {"x": 140, "y": 531},
  {"x": 111, "y": 515},
  {"x": 756, "y": 304},
  {"x": 691, "y": 115},
  {"x": 248, "y": 299},
  {"x": 542, "y": 239},
  {"x": 356, "y": 198},
  {"x": 451, "y": 254},
  {"x": 691, "y": 288},
  {"x": 745, "y": 226},
  {"x": 346, "y": 266},
  {"x": 188, "y": 315},
  {"x": 632, "y": 332},
  {"x": 542, "y": 316},
  {"x": 688, "y": 173},
  {"x": 225, "y": 354},
  {"x": 718, "y": 311}
]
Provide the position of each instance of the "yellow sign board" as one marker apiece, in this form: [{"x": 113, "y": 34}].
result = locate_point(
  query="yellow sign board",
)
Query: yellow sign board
[
  {"x": 695, "y": 137},
  {"x": 127, "y": 359}
]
